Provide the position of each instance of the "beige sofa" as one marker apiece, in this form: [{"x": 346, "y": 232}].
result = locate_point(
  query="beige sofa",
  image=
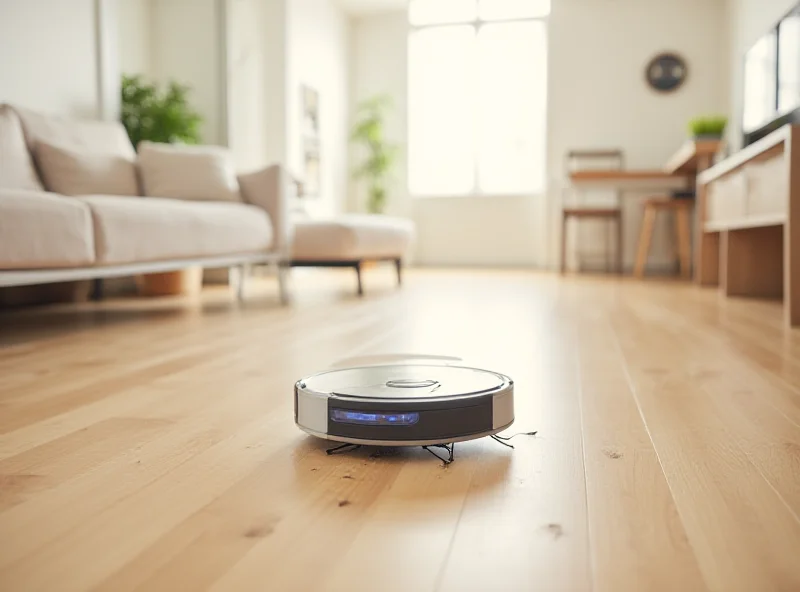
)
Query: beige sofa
[{"x": 70, "y": 209}]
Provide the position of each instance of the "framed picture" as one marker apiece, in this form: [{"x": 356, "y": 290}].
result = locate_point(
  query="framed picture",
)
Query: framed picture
[{"x": 311, "y": 142}]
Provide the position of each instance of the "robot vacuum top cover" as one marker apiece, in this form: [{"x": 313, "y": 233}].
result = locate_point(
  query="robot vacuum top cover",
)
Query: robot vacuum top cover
[
  {"x": 404, "y": 404},
  {"x": 406, "y": 382}
]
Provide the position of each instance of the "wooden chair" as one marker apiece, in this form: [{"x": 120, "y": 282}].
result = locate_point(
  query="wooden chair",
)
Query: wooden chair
[
  {"x": 612, "y": 214},
  {"x": 681, "y": 208}
]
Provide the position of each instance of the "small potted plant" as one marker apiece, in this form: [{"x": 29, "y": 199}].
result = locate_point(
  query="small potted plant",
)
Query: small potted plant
[{"x": 710, "y": 127}]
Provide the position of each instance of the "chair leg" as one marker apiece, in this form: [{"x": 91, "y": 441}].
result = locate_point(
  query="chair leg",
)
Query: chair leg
[
  {"x": 684, "y": 241},
  {"x": 398, "y": 263},
  {"x": 563, "y": 244},
  {"x": 358, "y": 277},
  {"x": 645, "y": 239}
]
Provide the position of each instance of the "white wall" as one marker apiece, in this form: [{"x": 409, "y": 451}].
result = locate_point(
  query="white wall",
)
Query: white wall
[
  {"x": 255, "y": 42},
  {"x": 597, "y": 97},
  {"x": 749, "y": 19},
  {"x": 379, "y": 64},
  {"x": 318, "y": 55},
  {"x": 186, "y": 46},
  {"x": 50, "y": 60},
  {"x": 135, "y": 21}
]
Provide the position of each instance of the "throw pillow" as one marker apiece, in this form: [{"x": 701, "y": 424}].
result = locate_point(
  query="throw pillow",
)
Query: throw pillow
[
  {"x": 73, "y": 172},
  {"x": 16, "y": 166},
  {"x": 179, "y": 171}
]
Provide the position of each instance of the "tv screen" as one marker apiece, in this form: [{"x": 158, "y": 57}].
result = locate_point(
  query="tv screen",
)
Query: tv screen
[
  {"x": 789, "y": 62},
  {"x": 772, "y": 79}
]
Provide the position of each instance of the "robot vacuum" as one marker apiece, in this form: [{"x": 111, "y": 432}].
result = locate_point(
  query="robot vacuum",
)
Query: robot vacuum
[{"x": 417, "y": 403}]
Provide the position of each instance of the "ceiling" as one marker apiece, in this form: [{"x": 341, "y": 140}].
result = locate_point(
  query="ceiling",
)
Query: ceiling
[{"x": 371, "y": 6}]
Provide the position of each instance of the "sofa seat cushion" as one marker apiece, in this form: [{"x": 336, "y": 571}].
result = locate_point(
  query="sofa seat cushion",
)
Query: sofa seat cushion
[
  {"x": 43, "y": 230},
  {"x": 140, "y": 229},
  {"x": 351, "y": 237}
]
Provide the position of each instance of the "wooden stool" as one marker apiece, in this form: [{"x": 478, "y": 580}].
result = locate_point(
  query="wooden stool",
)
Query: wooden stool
[{"x": 681, "y": 209}]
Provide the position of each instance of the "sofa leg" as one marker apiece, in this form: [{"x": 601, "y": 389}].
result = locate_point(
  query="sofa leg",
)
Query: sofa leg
[
  {"x": 358, "y": 276},
  {"x": 283, "y": 282},
  {"x": 398, "y": 263},
  {"x": 97, "y": 290},
  {"x": 238, "y": 275}
]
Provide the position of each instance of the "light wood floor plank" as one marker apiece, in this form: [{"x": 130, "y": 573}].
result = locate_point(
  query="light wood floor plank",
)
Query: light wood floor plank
[
  {"x": 744, "y": 537},
  {"x": 149, "y": 444},
  {"x": 626, "y": 486}
]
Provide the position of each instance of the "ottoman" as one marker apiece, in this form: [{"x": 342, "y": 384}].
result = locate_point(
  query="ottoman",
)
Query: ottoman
[{"x": 350, "y": 240}]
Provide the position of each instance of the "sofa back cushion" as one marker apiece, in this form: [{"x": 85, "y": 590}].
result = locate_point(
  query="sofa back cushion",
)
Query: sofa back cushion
[
  {"x": 16, "y": 167},
  {"x": 108, "y": 137},
  {"x": 85, "y": 172},
  {"x": 204, "y": 173}
]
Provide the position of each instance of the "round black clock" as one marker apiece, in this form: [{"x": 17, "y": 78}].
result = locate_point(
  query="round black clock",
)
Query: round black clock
[{"x": 666, "y": 72}]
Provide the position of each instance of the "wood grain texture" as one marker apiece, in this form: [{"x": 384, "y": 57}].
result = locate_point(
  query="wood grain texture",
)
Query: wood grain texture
[
  {"x": 620, "y": 175},
  {"x": 693, "y": 156},
  {"x": 792, "y": 243},
  {"x": 753, "y": 262},
  {"x": 149, "y": 444}
]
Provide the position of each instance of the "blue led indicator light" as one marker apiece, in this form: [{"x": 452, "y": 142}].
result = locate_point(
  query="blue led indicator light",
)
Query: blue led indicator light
[{"x": 361, "y": 418}]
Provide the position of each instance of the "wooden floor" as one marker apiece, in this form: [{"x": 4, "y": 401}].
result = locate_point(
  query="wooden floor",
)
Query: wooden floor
[{"x": 151, "y": 445}]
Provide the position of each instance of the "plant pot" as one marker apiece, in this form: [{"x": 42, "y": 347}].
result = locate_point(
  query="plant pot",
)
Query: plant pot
[
  {"x": 707, "y": 138},
  {"x": 183, "y": 282}
]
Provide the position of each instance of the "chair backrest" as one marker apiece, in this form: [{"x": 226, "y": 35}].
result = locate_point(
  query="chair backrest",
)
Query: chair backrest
[
  {"x": 600, "y": 158},
  {"x": 593, "y": 159}
]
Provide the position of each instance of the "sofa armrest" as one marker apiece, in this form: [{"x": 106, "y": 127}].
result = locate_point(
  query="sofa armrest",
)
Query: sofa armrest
[{"x": 272, "y": 189}]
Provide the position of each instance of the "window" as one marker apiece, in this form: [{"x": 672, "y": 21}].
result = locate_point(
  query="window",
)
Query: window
[
  {"x": 760, "y": 83},
  {"x": 477, "y": 96}
]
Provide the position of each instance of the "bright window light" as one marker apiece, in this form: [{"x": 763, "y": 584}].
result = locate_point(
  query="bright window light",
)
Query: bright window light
[
  {"x": 511, "y": 115},
  {"x": 442, "y": 110},
  {"x": 432, "y": 12},
  {"x": 513, "y": 9},
  {"x": 759, "y": 84},
  {"x": 477, "y": 108},
  {"x": 789, "y": 64}
]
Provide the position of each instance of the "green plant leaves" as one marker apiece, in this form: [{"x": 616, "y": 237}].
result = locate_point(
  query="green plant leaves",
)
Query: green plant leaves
[
  {"x": 380, "y": 155},
  {"x": 158, "y": 116},
  {"x": 713, "y": 125}
]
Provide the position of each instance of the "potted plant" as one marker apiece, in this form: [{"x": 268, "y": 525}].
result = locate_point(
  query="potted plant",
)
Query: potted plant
[
  {"x": 380, "y": 155},
  {"x": 711, "y": 127},
  {"x": 150, "y": 113}
]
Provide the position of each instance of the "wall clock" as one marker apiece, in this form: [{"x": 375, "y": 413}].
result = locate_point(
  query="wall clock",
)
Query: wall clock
[{"x": 666, "y": 72}]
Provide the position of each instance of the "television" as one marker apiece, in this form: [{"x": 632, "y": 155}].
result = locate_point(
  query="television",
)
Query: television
[{"x": 772, "y": 79}]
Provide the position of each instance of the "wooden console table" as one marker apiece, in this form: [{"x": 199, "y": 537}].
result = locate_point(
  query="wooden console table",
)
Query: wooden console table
[{"x": 749, "y": 222}]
